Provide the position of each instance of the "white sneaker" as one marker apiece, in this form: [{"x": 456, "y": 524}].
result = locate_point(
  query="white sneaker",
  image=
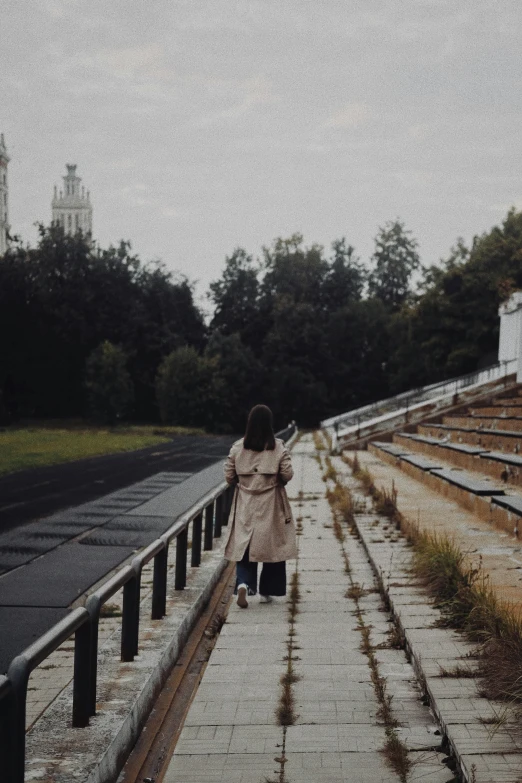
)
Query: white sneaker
[
  {"x": 242, "y": 592},
  {"x": 265, "y": 599}
]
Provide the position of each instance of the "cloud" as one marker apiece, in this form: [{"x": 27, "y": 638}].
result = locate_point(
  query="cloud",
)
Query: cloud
[
  {"x": 419, "y": 131},
  {"x": 415, "y": 178},
  {"x": 137, "y": 73},
  {"x": 136, "y": 195},
  {"x": 171, "y": 212},
  {"x": 134, "y": 62},
  {"x": 58, "y": 9},
  {"x": 244, "y": 95},
  {"x": 504, "y": 208},
  {"x": 353, "y": 115}
]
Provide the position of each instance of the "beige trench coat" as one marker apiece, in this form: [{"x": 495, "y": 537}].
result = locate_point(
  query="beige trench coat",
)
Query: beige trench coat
[{"x": 260, "y": 513}]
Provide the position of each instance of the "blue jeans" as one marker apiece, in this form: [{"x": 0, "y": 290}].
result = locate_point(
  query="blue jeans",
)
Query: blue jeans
[{"x": 273, "y": 576}]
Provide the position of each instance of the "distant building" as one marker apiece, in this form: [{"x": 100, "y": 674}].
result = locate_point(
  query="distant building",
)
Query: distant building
[
  {"x": 4, "y": 196},
  {"x": 72, "y": 208}
]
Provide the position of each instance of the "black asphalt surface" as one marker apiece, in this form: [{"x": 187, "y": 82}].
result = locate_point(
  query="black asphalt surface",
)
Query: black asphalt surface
[
  {"x": 31, "y": 494},
  {"x": 44, "y": 566},
  {"x": 64, "y": 528}
]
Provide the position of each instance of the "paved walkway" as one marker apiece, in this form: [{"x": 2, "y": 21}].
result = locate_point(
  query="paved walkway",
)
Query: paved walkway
[{"x": 232, "y": 732}]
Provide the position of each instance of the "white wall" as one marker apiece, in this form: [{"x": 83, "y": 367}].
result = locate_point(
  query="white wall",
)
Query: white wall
[{"x": 510, "y": 341}]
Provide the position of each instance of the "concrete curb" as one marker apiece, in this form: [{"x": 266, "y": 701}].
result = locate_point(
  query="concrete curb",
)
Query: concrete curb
[{"x": 471, "y": 744}]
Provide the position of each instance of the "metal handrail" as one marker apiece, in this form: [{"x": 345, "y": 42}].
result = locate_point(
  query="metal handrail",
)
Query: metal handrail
[
  {"x": 214, "y": 507},
  {"x": 410, "y": 397}
]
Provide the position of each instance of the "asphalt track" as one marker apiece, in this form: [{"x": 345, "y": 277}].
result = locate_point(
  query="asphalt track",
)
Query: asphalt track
[
  {"x": 31, "y": 494},
  {"x": 63, "y": 528}
]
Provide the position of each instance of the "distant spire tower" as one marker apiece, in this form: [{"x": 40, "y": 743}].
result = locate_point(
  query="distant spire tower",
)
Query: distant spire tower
[
  {"x": 72, "y": 207},
  {"x": 4, "y": 196}
]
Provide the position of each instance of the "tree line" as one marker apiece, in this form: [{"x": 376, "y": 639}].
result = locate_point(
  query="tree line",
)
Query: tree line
[{"x": 93, "y": 331}]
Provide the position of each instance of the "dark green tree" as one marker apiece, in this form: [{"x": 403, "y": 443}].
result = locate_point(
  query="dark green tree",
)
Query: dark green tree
[
  {"x": 65, "y": 297},
  {"x": 235, "y": 297},
  {"x": 346, "y": 277},
  {"x": 237, "y": 378},
  {"x": 395, "y": 259},
  {"x": 453, "y": 327},
  {"x": 293, "y": 272},
  {"x": 108, "y": 383},
  {"x": 183, "y": 388}
]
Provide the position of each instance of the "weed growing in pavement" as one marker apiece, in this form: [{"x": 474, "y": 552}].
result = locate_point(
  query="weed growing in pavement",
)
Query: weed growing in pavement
[
  {"x": 468, "y": 603},
  {"x": 357, "y": 591},
  {"x": 285, "y": 712},
  {"x": 330, "y": 473},
  {"x": 341, "y": 502},
  {"x": 396, "y": 754},
  {"x": 394, "y": 750},
  {"x": 461, "y": 672},
  {"x": 318, "y": 440}
]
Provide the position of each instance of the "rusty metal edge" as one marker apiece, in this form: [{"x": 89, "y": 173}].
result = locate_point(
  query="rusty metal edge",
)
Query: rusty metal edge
[{"x": 153, "y": 750}]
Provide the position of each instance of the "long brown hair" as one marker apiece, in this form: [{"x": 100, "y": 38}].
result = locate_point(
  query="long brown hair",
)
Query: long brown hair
[{"x": 259, "y": 433}]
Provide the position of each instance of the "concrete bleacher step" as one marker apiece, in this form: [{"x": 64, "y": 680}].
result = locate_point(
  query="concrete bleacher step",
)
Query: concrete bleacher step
[
  {"x": 421, "y": 462},
  {"x": 485, "y": 498},
  {"x": 471, "y": 484},
  {"x": 509, "y": 441},
  {"x": 391, "y": 448},
  {"x": 498, "y": 411},
  {"x": 511, "y": 423},
  {"x": 501, "y": 466}
]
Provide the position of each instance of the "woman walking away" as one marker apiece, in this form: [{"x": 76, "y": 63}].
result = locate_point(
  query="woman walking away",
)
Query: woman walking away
[{"x": 260, "y": 527}]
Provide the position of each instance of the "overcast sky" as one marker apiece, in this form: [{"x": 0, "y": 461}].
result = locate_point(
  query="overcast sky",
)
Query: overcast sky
[{"x": 201, "y": 125}]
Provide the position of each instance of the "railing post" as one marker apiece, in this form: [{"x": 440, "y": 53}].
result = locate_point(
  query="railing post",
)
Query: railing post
[
  {"x": 18, "y": 674},
  {"x": 93, "y": 606},
  {"x": 229, "y": 499},
  {"x": 219, "y": 516},
  {"x": 82, "y": 671},
  {"x": 7, "y": 735},
  {"x": 159, "y": 584},
  {"x": 129, "y": 618},
  {"x": 137, "y": 619},
  {"x": 195, "y": 554},
  {"x": 209, "y": 523},
  {"x": 180, "y": 579}
]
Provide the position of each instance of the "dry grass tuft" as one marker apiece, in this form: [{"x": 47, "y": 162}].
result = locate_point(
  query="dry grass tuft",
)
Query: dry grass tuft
[
  {"x": 467, "y": 602},
  {"x": 356, "y": 591},
  {"x": 461, "y": 672},
  {"x": 285, "y": 712},
  {"x": 289, "y": 677},
  {"x": 330, "y": 473},
  {"x": 318, "y": 440},
  {"x": 396, "y": 754}
]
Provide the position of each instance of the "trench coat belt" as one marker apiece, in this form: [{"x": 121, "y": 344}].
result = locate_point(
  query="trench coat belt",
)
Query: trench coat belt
[
  {"x": 257, "y": 491},
  {"x": 275, "y": 485}
]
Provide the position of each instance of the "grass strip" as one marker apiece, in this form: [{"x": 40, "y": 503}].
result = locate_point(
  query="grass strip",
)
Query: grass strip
[{"x": 30, "y": 448}]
